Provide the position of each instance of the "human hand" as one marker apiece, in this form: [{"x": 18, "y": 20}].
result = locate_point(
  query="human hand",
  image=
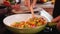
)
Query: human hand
[
  {"x": 34, "y": 3},
  {"x": 57, "y": 20},
  {"x": 28, "y": 3}
]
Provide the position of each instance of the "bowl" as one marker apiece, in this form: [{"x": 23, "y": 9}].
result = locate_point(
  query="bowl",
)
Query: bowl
[{"x": 22, "y": 17}]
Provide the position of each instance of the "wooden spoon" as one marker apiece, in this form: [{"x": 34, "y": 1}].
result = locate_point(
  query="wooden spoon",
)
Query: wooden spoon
[{"x": 32, "y": 11}]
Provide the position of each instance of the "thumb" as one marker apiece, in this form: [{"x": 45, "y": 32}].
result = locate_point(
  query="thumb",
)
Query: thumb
[{"x": 56, "y": 19}]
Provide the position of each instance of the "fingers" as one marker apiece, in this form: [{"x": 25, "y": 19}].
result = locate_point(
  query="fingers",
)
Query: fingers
[
  {"x": 27, "y": 3},
  {"x": 34, "y": 2},
  {"x": 56, "y": 19}
]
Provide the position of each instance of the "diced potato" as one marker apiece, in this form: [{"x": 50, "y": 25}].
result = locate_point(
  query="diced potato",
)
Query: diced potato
[{"x": 30, "y": 23}]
